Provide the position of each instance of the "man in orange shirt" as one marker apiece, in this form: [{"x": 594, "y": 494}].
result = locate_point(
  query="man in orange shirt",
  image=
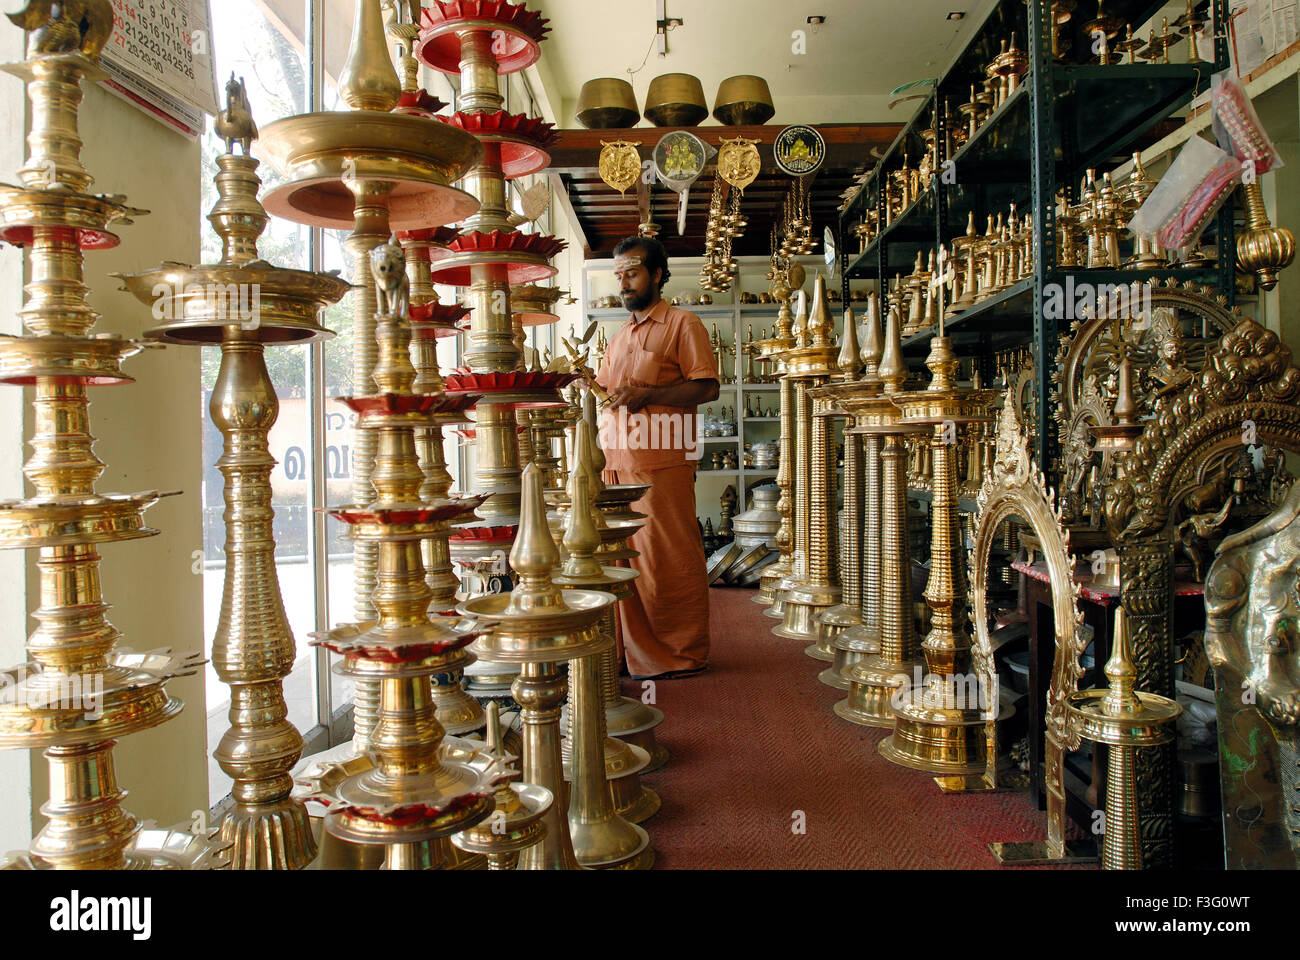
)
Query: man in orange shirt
[{"x": 658, "y": 368}]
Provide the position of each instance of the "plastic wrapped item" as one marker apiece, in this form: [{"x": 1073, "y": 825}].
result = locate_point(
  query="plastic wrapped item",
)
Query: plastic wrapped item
[
  {"x": 1187, "y": 196},
  {"x": 1236, "y": 124}
]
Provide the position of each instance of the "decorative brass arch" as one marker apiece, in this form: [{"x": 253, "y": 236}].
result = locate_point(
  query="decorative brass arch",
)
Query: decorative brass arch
[
  {"x": 1016, "y": 488},
  {"x": 1247, "y": 388}
]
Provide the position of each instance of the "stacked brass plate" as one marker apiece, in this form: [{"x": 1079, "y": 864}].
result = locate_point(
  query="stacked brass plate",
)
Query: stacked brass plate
[
  {"x": 675, "y": 100},
  {"x": 941, "y": 725},
  {"x": 809, "y": 363},
  {"x": 886, "y": 644},
  {"x": 77, "y": 693},
  {"x": 602, "y": 838},
  {"x": 538, "y": 625},
  {"x": 369, "y": 170},
  {"x": 253, "y": 650},
  {"x": 607, "y": 103}
]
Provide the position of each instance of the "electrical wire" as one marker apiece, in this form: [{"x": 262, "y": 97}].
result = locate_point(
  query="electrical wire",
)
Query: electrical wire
[{"x": 644, "y": 60}]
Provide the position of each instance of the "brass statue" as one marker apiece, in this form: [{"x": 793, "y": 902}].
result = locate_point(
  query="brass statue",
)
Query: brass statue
[
  {"x": 66, "y": 26},
  {"x": 392, "y": 286},
  {"x": 1252, "y": 606},
  {"x": 235, "y": 123}
]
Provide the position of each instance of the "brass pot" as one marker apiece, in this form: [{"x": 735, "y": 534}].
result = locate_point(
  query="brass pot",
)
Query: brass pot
[
  {"x": 743, "y": 100},
  {"x": 607, "y": 103},
  {"x": 675, "y": 100}
]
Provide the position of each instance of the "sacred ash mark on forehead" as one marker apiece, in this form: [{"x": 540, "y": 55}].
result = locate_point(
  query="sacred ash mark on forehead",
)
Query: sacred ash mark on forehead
[{"x": 625, "y": 261}]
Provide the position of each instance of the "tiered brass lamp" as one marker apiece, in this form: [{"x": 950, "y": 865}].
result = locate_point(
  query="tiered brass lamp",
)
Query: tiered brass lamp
[
  {"x": 772, "y": 351},
  {"x": 76, "y": 695},
  {"x": 370, "y": 169},
  {"x": 480, "y": 41},
  {"x": 847, "y": 569},
  {"x": 937, "y": 727},
  {"x": 886, "y": 640},
  {"x": 253, "y": 650},
  {"x": 811, "y": 362},
  {"x": 415, "y": 791},
  {"x": 537, "y": 625},
  {"x": 601, "y": 837}
]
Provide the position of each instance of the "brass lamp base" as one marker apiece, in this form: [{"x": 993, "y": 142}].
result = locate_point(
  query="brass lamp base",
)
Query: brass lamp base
[
  {"x": 270, "y": 836},
  {"x": 779, "y": 590},
  {"x": 947, "y": 741},
  {"x": 802, "y": 605},
  {"x": 1035, "y": 853},
  {"x": 849, "y": 646},
  {"x": 831, "y": 622},
  {"x": 634, "y": 723},
  {"x": 767, "y": 584},
  {"x": 875, "y": 684}
]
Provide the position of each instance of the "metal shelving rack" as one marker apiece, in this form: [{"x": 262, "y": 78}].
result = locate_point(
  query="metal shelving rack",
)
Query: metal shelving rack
[{"x": 1063, "y": 119}]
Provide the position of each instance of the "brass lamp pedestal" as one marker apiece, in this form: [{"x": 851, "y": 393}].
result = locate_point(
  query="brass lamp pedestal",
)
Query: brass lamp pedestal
[
  {"x": 536, "y": 625},
  {"x": 253, "y": 650},
  {"x": 77, "y": 692},
  {"x": 940, "y": 726},
  {"x": 810, "y": 363},
  {"x": 772, "y": 352},
  {"x": 882, "y": 674}
]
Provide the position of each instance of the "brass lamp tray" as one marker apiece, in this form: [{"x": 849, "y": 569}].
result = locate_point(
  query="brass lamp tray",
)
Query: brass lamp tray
[
  {"x": 154, "y": 848},
  {"x": 317, "y": 153}
]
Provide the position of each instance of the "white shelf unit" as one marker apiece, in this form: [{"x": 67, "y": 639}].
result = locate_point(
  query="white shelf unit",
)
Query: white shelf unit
[{"x": 731, "y": 318}]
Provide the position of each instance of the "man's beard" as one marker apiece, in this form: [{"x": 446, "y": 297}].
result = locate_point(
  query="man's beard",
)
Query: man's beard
[{"x": 632, "y": 301}]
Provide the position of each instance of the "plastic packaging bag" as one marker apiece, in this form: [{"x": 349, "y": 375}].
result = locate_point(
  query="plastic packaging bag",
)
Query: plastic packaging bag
[
  {"x": 1236, "y": 124},
  {"x": 1187, "y": 196}
]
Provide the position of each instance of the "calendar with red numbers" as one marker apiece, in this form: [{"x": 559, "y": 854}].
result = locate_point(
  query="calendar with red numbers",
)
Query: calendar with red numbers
[{"x": 160, "y": 57}]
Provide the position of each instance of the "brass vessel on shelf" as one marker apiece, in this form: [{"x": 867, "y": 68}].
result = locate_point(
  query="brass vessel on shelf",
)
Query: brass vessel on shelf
[
  {"x": 675, "y": 100},
  {"x": 743, "y": 100},
  {"x": 607, "y": 103}
]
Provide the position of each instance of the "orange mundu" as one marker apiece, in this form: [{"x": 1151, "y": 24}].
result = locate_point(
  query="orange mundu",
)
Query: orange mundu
[{"x": 664, "y": 626}]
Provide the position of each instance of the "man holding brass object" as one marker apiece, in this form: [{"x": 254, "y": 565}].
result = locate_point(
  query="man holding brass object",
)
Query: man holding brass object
[{"x": 657, "y": 369}]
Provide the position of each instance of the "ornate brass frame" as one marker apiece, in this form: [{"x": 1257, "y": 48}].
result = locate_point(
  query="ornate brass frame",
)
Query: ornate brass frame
[
  {"x": 1248, "y": 379},
  {"x": 1017, "y": 488}
]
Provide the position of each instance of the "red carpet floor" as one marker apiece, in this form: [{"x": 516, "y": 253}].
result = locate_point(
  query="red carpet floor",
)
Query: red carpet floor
[{"x": 754, "y": 741}]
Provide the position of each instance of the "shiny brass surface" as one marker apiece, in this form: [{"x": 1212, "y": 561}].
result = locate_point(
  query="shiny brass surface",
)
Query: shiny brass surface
[
  {"x": 743, "y": 100},
  {"x": 937, "y": 727},
  {"x": 887, "y": 639},
  {"x": 1262, "y": 249},
  {"x": 606, "y": 103},
  {"x": 1250, "y": 602},
  {"x": 536, "y": 625},
  {"x": 601, "y": 837},
  {"x": 675, "y": 100},
  {"x": 1016, "y": 490},
  {"x": 253, "y": 649},
  {"x": 1124, "y": 719},
  {"x": 77, "y": 692},
  {"x": 810, "y": 362},
  {"x": 516, "y": 820}
]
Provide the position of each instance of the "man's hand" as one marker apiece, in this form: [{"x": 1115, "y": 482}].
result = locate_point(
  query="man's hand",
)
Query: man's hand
[{"x": 634, "y": 398}]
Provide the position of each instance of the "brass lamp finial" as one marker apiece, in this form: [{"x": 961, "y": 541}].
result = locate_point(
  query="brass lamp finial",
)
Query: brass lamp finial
[
  {"x": 849, "y": 361},
  {"x": 893, "y": 370},
  {"x": 820, "y": 327},
  {"x": 871, "y": 347},
  {"x": 1121, "y": 673},
  {"x": 369, "y": 80},
  {"x": 534, "y": 555}
]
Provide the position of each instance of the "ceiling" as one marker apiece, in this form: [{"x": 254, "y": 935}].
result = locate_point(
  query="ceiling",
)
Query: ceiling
[{"x": 864, "y": 49}]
